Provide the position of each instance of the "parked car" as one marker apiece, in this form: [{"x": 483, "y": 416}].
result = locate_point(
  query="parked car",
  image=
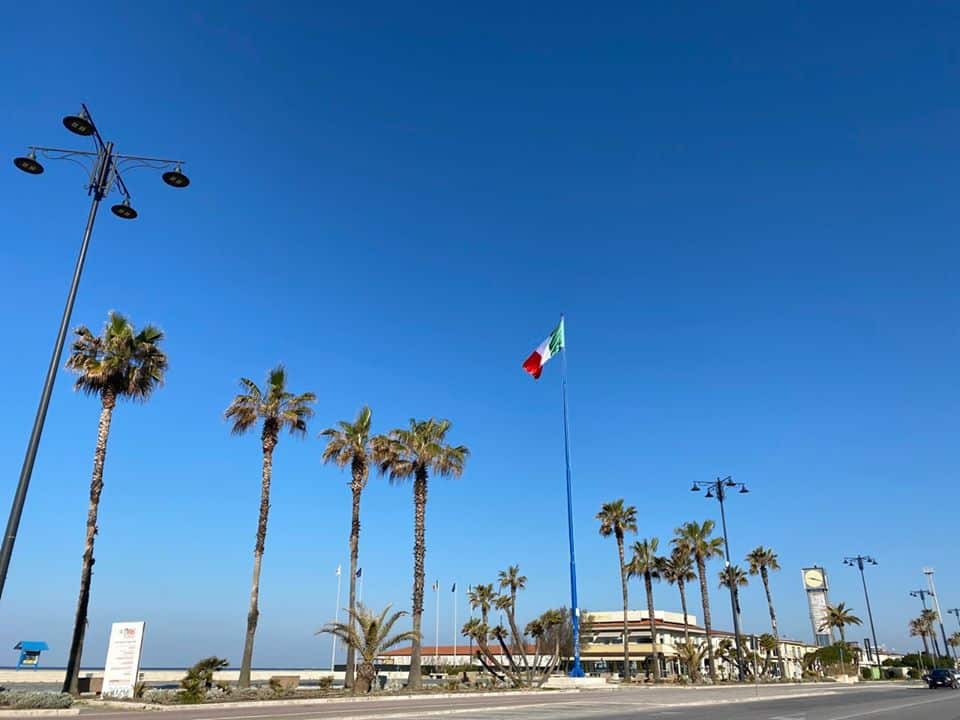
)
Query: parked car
[{"x": 942, "y": 677}]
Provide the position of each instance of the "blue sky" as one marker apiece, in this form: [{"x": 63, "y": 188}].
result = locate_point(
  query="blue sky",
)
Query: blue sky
[{"x": 747, "y": 213}]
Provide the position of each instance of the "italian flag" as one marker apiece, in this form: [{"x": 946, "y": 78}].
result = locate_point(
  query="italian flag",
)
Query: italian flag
[{"x": 546, "y": 350}]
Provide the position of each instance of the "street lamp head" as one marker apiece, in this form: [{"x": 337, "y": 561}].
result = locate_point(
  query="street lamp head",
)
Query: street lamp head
[
  {"x": 79, "y": 124},
  {"x": 123, "y": 210},
  {"x": 743, "y": 490},
  {"x": 709, "y": 493},
  {"x": 695, "y": 488},
  {"x": 176, "y": 178},
  {"x": 29, "y": 163},
  {"x": 728, "y": 481}
]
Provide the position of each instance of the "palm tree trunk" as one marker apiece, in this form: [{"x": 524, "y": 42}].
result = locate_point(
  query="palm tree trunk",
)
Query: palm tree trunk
[
  {"x": 253, "y": 615},
  {"x": 926, "y": 647},
  {"x": 682, "y": 586},
  {"x": 648, "y": 582},
  {"x": 705, "y": 600},
  {"x": 419, "y": 552},
  {"x": 71, "y": 679},
  {"x": 356, "y": 488},
  {"x": 626, "y": 625},
  {"x": 765, "y": 576},
  {"x": 518, "y": 642}
]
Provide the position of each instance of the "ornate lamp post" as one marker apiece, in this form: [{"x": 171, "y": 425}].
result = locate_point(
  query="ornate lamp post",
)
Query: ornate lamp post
[
  {"x": 718, "y": 489},
  {"x": 104, "y": 167}
]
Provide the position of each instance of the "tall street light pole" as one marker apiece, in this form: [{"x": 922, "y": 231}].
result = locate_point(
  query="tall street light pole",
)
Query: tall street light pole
[
  {"x": 928, "y": 571},
  {"x": 718, "y": 489},
  {"x": 858, "y": 562},
  {"x": 104, "y": 167}
]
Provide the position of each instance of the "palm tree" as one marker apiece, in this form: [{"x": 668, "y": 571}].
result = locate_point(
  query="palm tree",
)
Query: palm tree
[
  {"x": 918, "y": 628},
  {"x": 349, "y": 444},
  {"x": 481, "y": 598},
  {"x": 121, "y": 363},
  {"x": 691, "y": 656},
  {"x": 511, "y": 579},
  {"x": 279, "y": 410},
  {"x": 415, "y": 452},
  {"x": 733, "y": 575},
  {"x": 678, "y": 570},
  {"x": 839, "y": 616},
  {"x": 695, "y": 537},
  {"x": 762, "y": 561},
  {"x": 370, "y": 636},
  {"x": 929, "y": 619},
  {"x": 617, "y": 519},
  {"x": 646, "y": 564}
]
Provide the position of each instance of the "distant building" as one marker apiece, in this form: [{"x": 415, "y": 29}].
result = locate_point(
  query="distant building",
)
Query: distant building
[
  {"x": 444, "y": 655},
  {"x": 601, "y": 644},
  {"x": 601, "y": 647}
]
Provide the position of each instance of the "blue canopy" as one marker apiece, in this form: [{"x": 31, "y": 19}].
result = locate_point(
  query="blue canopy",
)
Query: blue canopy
[{"x": 31, "y": 646}]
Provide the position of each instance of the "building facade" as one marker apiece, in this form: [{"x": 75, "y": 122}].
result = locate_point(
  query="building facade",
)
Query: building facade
[{"x": 601, "y": 645}]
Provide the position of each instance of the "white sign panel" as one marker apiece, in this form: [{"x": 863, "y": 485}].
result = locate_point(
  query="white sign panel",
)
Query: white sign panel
[
  {"x": 818, "y": 611},
  {"x": 122, "y": 669}
]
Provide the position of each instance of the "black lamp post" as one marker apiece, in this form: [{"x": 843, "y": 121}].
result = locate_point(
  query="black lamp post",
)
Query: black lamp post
[
  {"x": 104, "y": 167},
  {"x": 718, "y": 489},
  {"x": 858, "y": 562}
]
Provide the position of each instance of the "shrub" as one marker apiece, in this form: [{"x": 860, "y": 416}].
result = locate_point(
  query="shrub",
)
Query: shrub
[
  {"x": 35, "y": 700},
  {"x": 913, "y": 674},
  {"x": 866, "y": 673},
  {"x": 325, "y": 683},
  {"x": 161, "y": 697},
  {"x": 199, "y": 679}
]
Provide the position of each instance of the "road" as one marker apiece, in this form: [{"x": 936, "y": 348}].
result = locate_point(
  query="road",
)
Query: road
[{"x": 879, "y": 702}]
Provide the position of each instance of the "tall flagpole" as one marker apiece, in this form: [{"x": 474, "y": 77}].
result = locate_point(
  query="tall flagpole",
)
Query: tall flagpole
[
  {"x": 456, "y": 660},
  {"x": 577, "y": 670},
  {"x": 336, "y": 616}
]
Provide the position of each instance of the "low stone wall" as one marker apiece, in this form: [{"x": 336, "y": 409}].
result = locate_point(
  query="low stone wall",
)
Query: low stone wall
[{"x": 45, "y": 676}]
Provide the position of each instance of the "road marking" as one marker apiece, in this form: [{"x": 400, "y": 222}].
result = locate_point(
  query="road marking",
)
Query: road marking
[{"x": 865, "y": 713}]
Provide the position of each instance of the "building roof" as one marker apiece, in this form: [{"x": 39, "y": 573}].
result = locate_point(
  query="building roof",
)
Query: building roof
[
  {"x": 463, "y": 649},
  {"x": 644, "y": 624}
]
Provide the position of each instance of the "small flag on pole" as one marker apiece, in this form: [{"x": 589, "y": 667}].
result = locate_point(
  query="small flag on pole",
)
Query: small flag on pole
[
  {"x": 359, "y": 572},
  {"x": 436, "y": 585},
  {"x": 454, "y": 588},
  {"x": 338, "y": 571},
  {"x": 546, "y": 350}
]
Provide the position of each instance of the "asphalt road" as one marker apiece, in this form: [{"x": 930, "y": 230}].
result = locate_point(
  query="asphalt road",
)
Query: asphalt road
[{"x": 880, "y": 702}]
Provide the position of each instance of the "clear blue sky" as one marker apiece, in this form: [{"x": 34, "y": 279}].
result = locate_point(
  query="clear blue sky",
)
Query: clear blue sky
[{"x": 748, "y": 213}]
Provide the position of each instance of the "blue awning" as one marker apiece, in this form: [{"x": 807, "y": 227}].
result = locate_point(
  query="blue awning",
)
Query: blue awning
[{"x": 31, "y": 646}]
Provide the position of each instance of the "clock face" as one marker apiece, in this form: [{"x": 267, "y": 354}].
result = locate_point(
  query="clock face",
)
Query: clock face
[{"x": 813, "y": 578}]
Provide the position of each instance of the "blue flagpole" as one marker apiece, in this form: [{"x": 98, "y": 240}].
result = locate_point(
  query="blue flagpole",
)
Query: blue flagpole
[{"x": 577, "y": 670}]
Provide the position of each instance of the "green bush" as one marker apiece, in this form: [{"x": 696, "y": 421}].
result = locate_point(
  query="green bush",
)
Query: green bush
[
  {"x": 913, "y": 674},
  {"x": 866, "y": 673},
  {"x": 199, "y": 679},
  {"x": 34, "y": 700},
  {"x": 325, "y": 683}
]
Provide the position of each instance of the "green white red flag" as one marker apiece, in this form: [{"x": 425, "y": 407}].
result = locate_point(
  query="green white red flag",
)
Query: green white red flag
[{"x": 546, "y": 350}]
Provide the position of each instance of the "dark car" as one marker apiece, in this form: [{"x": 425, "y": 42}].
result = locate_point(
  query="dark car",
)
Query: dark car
[{"x": 942, "y": 677}]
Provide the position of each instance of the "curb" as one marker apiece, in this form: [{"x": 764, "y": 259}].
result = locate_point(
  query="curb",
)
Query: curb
[
  {"x": 62, "y": 712},
  {"x": 97, "y": 704}
]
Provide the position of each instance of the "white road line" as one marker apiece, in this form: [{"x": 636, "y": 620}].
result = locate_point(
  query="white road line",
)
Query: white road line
[{"x": 866, "y": 713}]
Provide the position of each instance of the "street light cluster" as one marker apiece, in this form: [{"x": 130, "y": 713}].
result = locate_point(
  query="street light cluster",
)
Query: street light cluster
[
  {"x": 104, "y": 167},
  {"x": 105, "y": 173}
]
